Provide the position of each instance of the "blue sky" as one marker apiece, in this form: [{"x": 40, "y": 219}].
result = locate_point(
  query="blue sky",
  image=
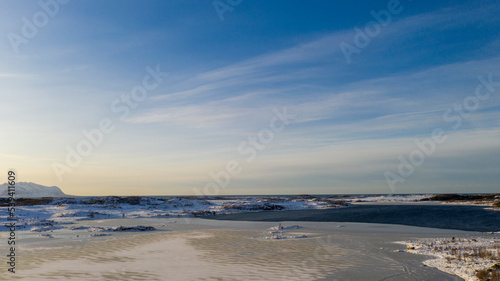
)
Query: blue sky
[{"x": 354, "y": 119}]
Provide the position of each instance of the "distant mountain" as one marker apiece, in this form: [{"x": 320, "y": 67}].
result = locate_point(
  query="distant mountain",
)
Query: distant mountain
[{"x": 29, "y": 189}]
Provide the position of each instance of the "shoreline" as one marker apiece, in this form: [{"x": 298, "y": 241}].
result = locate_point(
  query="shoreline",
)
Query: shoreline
[{"x": 52, "y": 213}]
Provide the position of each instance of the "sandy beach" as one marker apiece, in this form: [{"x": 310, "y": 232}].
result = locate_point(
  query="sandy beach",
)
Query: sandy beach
[{"x": 199, "y": 249}]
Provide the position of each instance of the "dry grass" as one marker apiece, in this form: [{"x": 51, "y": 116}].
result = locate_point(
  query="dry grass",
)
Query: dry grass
[
  {"x": 203, "y": 213},
  {"x": 488, "y": 275},
  {"x": 495, "y": 275},
  {"x": 34, "y": 201},
  {"x": 483, "y": 275},
  {"x": 484, "y": 199},
  {"x": 484, "y": 258}
]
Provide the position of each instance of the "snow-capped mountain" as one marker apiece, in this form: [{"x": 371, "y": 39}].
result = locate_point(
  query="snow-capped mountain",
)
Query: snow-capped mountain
[{"x": 29, "y": 189}]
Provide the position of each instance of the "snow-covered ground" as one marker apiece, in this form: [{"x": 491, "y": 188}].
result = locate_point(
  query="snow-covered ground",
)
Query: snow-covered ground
[
  {"x": 463, "y": 257},
  {"x": 388, "y": 198},
  {"x": 52, "y": 215},
  {"x": 415, "y": 198},
  {"x": 43, "y": 214},
  {"x": 484, "y": 203},
  {"x": 284, "y": 232}
]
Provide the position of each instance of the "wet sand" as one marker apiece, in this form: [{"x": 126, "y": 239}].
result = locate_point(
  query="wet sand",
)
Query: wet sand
[{"x": 197, "y": 249}]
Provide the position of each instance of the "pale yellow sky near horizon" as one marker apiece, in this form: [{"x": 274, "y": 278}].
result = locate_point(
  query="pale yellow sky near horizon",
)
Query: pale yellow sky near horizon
[{"x": 267, "y": 173}]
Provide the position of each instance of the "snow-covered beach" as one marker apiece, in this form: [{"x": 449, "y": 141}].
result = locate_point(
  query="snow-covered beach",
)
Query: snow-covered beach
[{"x": 199, "y": 249}]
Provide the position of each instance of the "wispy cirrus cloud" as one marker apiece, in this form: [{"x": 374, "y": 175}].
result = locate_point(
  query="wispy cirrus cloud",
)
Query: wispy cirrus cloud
[
  {"x": 285, "y": 65},
  {"x": 382, "y": 96},
  {"x": 414, "y": 100}
]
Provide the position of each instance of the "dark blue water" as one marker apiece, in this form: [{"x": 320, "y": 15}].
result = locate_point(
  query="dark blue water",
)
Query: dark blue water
[{"x": 469, "y": 218}]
